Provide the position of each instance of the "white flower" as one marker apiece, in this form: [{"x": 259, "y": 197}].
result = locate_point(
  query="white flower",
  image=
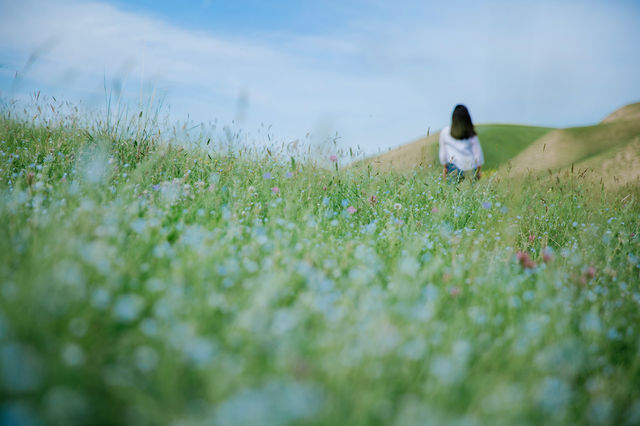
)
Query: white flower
[
  {"x": 146, "y": 358},
  {"x": 128, "y": 307},
  {"x": 73, "y": 355}
]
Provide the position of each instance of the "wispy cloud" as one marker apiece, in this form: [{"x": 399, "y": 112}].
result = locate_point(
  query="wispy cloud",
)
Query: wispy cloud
[{"x": 379, "y": 80}]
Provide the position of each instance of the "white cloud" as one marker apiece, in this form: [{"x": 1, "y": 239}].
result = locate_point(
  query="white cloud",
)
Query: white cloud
[{"x": 380, "y": 81}]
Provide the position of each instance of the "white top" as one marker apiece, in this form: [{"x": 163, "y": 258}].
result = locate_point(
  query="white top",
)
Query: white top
[{"x": 465, "y": 154}]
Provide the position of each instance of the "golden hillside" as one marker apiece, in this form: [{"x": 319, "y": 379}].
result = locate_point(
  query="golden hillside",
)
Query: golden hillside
[
  {"x": 421, "y": 152},
  {"x": 607, "y": 151}
]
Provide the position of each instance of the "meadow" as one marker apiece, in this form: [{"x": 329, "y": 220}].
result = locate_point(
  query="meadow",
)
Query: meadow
[{"x": 142, "y": 282}]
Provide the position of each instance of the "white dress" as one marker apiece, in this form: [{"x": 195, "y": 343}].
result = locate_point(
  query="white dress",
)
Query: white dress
[{"x": 465, "y": 154}]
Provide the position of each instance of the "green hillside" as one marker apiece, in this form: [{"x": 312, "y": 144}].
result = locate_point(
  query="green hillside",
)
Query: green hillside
[
  {"x": 501, "y": 142},
  {"x": 607, "y": 150},
  {"x": 591, "y": 141},
  {"x": 613, "y": 141}
]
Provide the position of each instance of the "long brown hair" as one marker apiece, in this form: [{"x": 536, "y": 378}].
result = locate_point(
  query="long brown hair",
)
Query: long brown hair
[{"x": 461, "y": 124}]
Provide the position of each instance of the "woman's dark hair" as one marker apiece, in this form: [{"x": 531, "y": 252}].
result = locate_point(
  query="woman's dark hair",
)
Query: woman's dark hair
[{"x": 461, "y": 124}]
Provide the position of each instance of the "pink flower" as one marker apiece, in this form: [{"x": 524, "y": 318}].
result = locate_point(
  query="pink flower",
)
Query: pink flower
[
  {"x": 373, "y": 199},
  {"x": 275, "y": 190},
  {"x": 435, "y": 210},
  {"x": 591, "y": 272},
  {"x": 547, "y": 255},
  {"x": 525, "y": 261},
  {"x": 454, "y": 291},
  {"x": 324, "y": 188},
  {"x": 531, "y": 238},
  {"x": 351, "y": 210},
  {"x": 333, "y": 158}
]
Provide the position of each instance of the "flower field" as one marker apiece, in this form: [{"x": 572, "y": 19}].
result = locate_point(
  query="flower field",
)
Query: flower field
[{"x": 146, "y": 283}]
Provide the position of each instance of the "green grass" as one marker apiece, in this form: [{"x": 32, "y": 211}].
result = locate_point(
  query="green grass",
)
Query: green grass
[
  {"x": 175, "y": 286},
  {"x": 578, "y": 147},
  {"x": 591, "y": 141},
  {"x": 502, "y": 142}
]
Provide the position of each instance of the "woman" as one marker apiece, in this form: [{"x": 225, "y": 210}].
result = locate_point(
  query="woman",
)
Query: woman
[{"x": 460, "y": 149}]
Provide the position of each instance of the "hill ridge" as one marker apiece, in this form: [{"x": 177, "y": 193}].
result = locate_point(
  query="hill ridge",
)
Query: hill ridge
[{"x": 520, "y": 149}]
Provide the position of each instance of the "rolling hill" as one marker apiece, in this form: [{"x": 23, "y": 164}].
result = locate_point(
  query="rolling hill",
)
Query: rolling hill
[
  {"x": 609, "y": 150},
  {"x": 500, "y": 143}
]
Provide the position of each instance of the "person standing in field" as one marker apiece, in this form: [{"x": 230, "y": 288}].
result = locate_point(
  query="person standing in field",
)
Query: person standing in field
[{"x": 460, "y": 150}]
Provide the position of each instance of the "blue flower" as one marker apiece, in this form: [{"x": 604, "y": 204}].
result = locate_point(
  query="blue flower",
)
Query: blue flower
[
  {"x": 288, "y": 175},
  {"x": 266, "y": 175},
  {"x": 486, "y": 205},
  {"x": 345, "y": 202}
]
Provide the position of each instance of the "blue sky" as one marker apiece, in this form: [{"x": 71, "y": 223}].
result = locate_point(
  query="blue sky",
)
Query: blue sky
[
  {"x": 253, "y": 16},
  {"x": 379, "y": 73}
]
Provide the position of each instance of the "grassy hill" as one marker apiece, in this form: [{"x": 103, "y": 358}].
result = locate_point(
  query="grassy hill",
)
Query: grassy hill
[
  {"x": 606, "y": 151},
  {"x": 611, "y": 143},
  {"x": 627, "y": 112},
  {"x": 500, "y": 142}
]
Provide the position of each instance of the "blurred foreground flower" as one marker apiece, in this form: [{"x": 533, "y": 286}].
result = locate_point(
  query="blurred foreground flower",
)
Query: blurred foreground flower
[
  {"x": 275, "y": 190},
  {"x": 351, "y": 210},
  {"x": 333, "y": 158},
  {"x": 547, "y": 254},
  {"x": 587, "y": 275},
  {"x": 525, "y": 261}
]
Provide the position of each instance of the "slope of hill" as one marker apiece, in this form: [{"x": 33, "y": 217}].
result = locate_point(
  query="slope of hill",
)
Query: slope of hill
[
  {"x": 421, "y": 152},
  {"x": 628, "y": 112},
  {"x": 609, "y": 150},
  {"x": 612, "y": 142},
  {"x": 500, "y": 142},
  {"x": 616, "y": 167}
]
